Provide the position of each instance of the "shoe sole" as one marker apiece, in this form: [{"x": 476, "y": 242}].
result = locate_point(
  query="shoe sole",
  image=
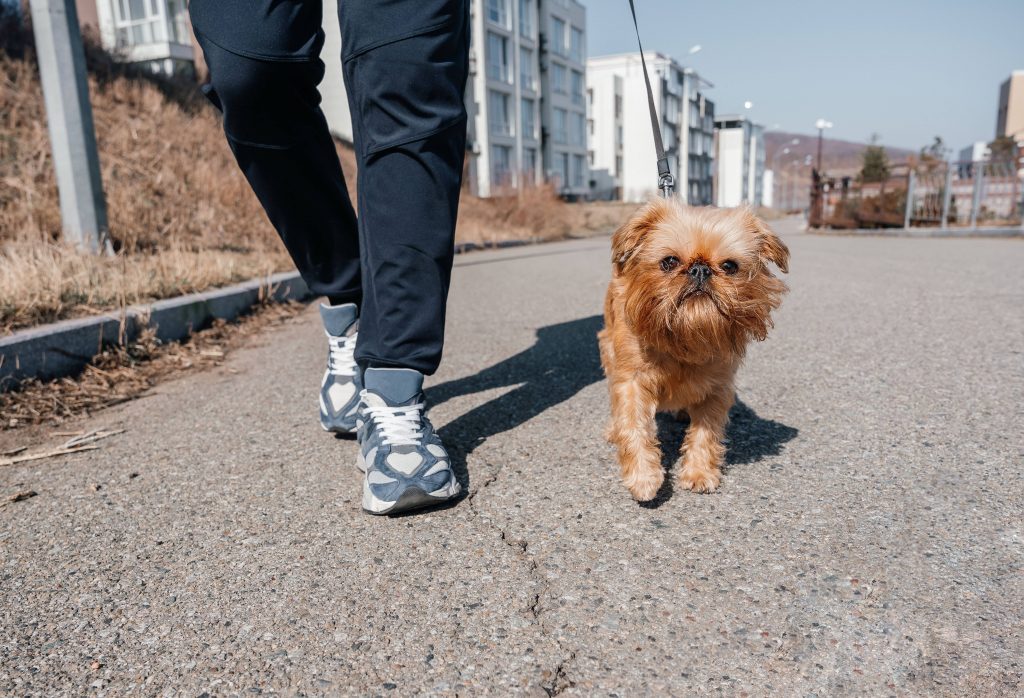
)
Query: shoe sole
[
  {"x": 337, "y": 428},
  {"x": 413, "y": 498}
]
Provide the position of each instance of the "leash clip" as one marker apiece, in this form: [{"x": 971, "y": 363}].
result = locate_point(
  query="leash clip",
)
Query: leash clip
[{"x": 666, "y": 183}]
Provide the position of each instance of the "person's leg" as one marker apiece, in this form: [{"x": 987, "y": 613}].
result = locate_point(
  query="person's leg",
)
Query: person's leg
[
  {"x": 405, "y": 65},
  {"x": 264, "y": 63}
]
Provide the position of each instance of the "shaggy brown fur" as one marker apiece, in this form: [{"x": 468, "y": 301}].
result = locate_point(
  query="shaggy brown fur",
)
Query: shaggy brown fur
[{"x": 690, "y": 288}]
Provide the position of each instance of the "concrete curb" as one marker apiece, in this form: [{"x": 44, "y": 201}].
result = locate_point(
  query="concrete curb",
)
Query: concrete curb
[
  {"x": 64, "y": 348},
  {"x": 464, "y": 247},
  {"x": 923, "y": 232}
]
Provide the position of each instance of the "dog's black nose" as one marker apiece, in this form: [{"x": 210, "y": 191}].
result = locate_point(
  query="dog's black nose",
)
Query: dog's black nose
[{"x": 699, "y": 272}]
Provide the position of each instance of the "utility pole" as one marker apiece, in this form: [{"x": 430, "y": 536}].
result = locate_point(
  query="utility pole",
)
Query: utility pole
[
  {"x": 821, "y": 124},
  {"x": 76, "y": 162}
]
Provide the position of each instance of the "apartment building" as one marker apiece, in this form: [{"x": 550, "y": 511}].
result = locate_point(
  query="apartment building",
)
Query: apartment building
[
  {"x": 563, "y": 81},
  {"x": 739, "y": 161},
  {"x": 622, "y": 156},
  {"x": 155, "y": 33},
  {"x": 503, "y": 96},
  {"x": 1010, "y": 117},
  {"x": 976, "y": 152}
]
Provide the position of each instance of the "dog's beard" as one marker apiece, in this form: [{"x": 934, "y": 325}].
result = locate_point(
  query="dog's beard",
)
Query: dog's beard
[{"x": 700, "y": 323}]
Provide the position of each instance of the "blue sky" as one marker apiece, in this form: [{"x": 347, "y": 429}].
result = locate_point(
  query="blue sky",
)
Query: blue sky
[{"x": 906, "y": 69}]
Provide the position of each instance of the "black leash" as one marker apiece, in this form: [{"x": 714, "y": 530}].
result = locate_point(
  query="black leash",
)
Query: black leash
[{"x": 666, "y": 182}]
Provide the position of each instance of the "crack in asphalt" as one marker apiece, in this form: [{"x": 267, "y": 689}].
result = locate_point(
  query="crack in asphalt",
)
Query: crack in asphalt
[{"x": 559, "y": 680}]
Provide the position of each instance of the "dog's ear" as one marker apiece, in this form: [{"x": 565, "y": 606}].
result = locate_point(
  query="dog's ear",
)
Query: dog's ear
[
  {"x": 770, "y": 247},
  {"x": 628, "y": 238}
]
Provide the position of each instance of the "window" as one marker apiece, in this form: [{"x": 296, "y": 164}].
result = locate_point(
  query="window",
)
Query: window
[
  {"x": 497, "y": 57},
  {"x": 576, "y": 45},
  {"x": 560, "y": 134},
  {"x": 576, "y": 132},
  {"x": 590, "y": 98},
  {"x": 558, "y": 37},
  {"x": 149, "y": 21},
  {"x": 497, "y": 12},
  {"x": 501, "y": 165},
  {"x": 498, "y": 114},
  {"x": 618, "y": 165},
  {"x": 590, "y": 126},
  {"x": 618, "y": 106},
  {"x": 577, "y": 87},
  {"x": 558, "y": 78},
  {"x": 530, "y": 165},
  {"x": 527, "y": 77},
  {"x": 559, "y": 170},
  {"x": 579, "y": 168},
  {"x": 526, "y": 18},
  {"x": 618, "y": 135},
  {"x": 529, "y": 123}
]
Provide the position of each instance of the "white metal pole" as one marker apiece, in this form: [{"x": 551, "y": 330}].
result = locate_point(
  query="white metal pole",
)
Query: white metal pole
[{"x": 69, "y": 117}]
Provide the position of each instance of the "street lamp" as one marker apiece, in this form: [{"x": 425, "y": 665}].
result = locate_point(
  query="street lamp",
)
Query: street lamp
[
  {"x": 695, "y": 49},
  {"x": 821, "y": 125}
]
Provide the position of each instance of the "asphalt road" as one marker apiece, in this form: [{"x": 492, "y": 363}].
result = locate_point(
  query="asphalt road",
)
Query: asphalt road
[{"x": 866, "y": 540}]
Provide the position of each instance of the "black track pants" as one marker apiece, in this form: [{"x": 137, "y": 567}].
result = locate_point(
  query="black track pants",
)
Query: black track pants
[{"x": 405, "y": 65}]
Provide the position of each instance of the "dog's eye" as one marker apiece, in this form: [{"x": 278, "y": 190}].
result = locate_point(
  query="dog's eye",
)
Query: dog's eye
[
  {"x": 730, "y": 267},
  {"x": 669, "y": 263}
]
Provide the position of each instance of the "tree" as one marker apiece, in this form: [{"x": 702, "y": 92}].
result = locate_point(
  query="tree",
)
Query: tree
[
  {"x": 933, "y": 156},
  {"x": 935, "y": 151},
  {"x": 875, "y": 166},
  {"x": 1003, "y": 149}
]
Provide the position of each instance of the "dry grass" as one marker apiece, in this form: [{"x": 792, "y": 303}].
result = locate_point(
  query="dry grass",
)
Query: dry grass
[
  {"x": 535, "y": 213},
  {"x": 122, "y": 373},
  {"x": 182, "y": 217}
]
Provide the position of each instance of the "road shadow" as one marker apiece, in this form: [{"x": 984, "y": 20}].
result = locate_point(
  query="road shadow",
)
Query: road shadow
[
  {"x": 748, "y": 439},
  {"x": 562, "y": 361}
]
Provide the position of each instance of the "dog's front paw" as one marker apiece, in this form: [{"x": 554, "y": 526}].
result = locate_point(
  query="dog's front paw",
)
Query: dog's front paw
[
  {"x": 700, "y": 479},
  {"x": 644, "y": 485}
]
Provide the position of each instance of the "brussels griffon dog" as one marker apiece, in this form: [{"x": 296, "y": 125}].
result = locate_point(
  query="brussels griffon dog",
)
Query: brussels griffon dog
[{"x": 690, "y": 288}]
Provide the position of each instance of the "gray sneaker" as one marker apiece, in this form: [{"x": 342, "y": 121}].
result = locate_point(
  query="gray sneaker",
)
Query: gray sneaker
[
  {"x": 406, "y": 465},
  {"x": 340, "y": 388}
]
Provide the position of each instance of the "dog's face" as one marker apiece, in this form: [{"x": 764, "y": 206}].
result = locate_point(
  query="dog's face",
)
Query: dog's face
[{"x": 696, "y": 282}]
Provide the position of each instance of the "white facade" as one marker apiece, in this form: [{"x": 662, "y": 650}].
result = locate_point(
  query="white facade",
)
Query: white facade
[
  {"x": 563, "y": 84},
  {"x": 152, "y": 32},
  {"x": 739, "y": 161},
  {"x": 333, "y": 98},
  {"x": 767, "y": 193},
  {"x": 605, "y": 132},
  {"x": 622, "y": 144},
  {"x": 976, "y": 152}
]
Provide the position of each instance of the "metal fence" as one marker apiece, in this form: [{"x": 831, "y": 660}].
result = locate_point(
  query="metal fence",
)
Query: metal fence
[{"x": 925, "y": 194}]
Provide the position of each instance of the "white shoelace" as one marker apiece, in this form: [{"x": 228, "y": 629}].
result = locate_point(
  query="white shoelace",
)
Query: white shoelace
[
  {"x": 341, "y": 359},
  {"x": 399, "y": 426}
]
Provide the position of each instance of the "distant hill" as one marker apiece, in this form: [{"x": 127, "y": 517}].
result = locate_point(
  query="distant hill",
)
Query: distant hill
[{"x": 838, "y": 157}]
